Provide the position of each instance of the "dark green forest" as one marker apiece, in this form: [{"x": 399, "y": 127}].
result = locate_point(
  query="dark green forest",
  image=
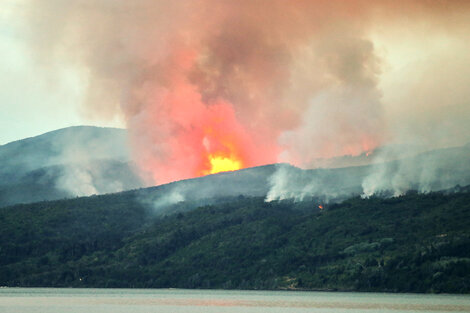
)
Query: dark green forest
[{"x": 412, "y": 243}]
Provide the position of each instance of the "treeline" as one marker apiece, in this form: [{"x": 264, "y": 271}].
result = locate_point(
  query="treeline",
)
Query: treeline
[{"x": 412, "y": 243}]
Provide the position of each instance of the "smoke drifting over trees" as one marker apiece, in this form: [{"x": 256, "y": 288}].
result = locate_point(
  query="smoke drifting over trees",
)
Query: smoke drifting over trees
[{"x": 258, "y": 82}]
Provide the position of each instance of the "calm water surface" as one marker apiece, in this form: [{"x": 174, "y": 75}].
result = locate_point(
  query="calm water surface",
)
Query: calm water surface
[{"x": 52, "y": 300}]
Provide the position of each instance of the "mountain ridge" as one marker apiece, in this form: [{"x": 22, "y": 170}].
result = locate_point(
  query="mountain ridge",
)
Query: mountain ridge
[{"x": 65, "y": 163}]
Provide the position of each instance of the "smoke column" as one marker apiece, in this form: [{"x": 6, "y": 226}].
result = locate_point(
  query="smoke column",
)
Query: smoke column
[{"x": 208, "y": 86}]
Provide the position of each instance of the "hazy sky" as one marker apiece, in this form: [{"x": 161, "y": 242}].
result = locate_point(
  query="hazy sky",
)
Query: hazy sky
[{"x": 31, "y": 102}]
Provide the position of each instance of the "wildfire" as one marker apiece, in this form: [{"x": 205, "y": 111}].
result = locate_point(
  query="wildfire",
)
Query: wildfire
[
  {"x": 320, "y": 207},
  {"x": 223, "y": 164}
]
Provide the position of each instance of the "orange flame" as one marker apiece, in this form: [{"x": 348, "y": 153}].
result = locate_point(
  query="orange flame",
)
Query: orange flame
[
  {"x": 321, "y": 207},
  {"x": 223, "y": 147}
]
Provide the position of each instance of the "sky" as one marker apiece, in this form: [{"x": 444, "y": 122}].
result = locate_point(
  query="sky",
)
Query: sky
[
  {"x": 31, "y": 102},
  {"x": 207, "y": 85}
]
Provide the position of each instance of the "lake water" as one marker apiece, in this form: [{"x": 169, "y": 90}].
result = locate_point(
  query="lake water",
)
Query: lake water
[{"x": 52, "y": 300}]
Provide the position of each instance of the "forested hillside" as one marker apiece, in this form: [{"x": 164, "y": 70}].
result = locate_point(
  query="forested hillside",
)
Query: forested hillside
[{"x": 412, "y": 243}]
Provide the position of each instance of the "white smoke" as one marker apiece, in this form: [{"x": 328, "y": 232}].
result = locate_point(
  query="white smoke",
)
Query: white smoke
[
  {"x": 426, "y": 172},
  {"x": 167, "y": 199},
  {"x": 390, "y": 173},
  {"x": 92, "y": 160}
]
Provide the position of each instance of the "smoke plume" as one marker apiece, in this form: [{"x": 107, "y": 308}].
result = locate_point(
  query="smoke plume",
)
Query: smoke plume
[{"x": 205, "y": 86}]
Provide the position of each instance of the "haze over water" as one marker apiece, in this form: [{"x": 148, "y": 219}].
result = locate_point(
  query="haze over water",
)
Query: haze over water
[{"x": 51, "y": 300}]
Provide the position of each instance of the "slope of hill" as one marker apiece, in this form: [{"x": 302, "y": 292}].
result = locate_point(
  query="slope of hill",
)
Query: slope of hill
[
  {"x": 69, "y": 162},
  {"x": 412, "y": 243},
  {"x": 80, "y": 161},
  {"x": 429, "y": 171}
]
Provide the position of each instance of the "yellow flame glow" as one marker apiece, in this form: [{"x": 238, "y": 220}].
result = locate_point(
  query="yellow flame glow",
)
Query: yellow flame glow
[{"x": 223, "y": 164}]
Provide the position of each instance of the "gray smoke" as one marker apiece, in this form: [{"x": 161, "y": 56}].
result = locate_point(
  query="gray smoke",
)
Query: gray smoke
[{"x": 304, "y": 80}]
